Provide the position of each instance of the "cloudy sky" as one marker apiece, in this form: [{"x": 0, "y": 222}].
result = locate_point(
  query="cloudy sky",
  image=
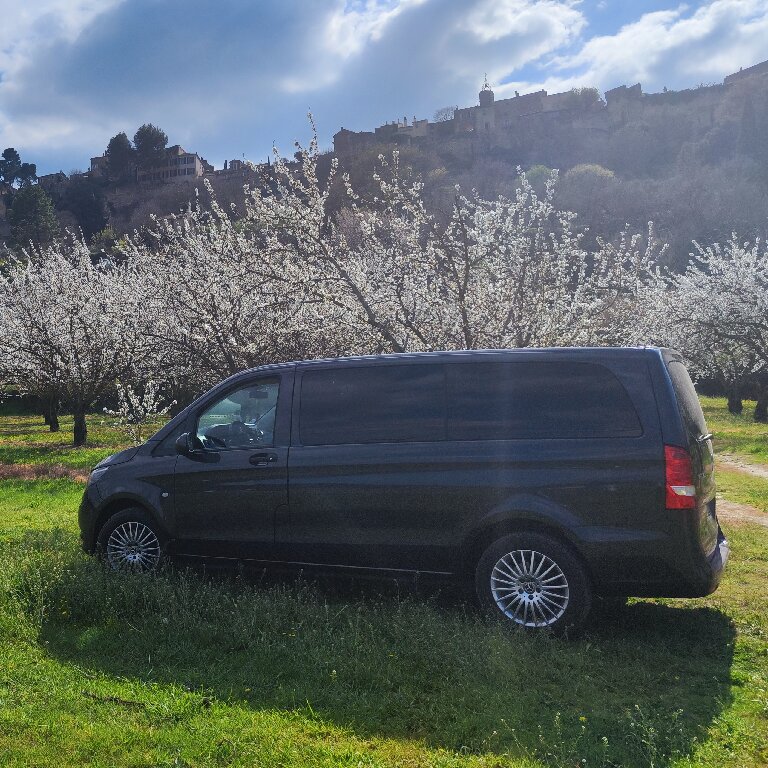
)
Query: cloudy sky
[{"x": 228, "y": 78}]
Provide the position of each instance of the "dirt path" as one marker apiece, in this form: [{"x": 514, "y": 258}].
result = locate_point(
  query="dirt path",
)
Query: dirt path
[
  {"x": 740, "y": 465},
  {"x": 731, "y": 511}
]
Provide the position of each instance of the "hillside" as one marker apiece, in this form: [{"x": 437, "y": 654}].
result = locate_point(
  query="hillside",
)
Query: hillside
[{"x": 693, "y": 161}]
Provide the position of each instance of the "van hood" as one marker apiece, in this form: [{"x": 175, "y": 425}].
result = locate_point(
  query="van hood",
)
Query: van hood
[{"x": 118, "y": 458}]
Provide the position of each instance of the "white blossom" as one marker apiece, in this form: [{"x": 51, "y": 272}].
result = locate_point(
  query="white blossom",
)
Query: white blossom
[
  {"x": 210, "y": 292},
  {"x": 135, "y": 411}
]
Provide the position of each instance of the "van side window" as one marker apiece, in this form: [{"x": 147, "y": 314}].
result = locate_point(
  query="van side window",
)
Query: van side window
[
  {"x": 687, "y": 399},
  {"x": 372, "y": 404},
  {"x": 244, "y": 418},
  {"x": 505, "y": 401}
]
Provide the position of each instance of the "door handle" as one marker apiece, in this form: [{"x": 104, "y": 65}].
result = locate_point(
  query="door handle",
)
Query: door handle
[{"x": 263, "y": 459}]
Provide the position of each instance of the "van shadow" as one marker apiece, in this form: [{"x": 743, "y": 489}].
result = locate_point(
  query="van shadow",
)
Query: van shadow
[{"x": 641, "y": 687}]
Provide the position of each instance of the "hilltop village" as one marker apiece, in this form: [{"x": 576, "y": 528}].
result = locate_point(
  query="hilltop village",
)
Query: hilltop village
[
  {"x": 526, "y": 120},
  {"x": 694, "y": 161},
  {"x": 504, "y": 123}
]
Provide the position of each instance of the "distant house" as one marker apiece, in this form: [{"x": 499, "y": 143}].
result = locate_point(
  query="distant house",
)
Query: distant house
[
  {"x": 501, "y": 121},
  {"x": 53, "y": 183},
  {"x": 178, "y": 165},
  {"x": 235, "y": 169},
  {"x": 99, "y": 167}
]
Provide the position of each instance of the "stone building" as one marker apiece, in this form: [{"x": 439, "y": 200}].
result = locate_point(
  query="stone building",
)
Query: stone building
[
  {"x": 99, "y": 167},
  {"x": 178, "y": 165},
  {"x": 757, "y": 69},
  {"x": 233, "y": 169},
  {"x": 504, "y": 121},
  {"x": 488, "y": 117},
  {"x": 53, "y": 183}
]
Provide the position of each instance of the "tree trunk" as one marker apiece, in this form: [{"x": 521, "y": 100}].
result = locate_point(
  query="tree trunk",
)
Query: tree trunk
[
  {"x": 734, "y": 400},
  {"x": 81, "y": 430},
  {"x": 761, "y": 407},
  {"x": 52, "y": 417}
]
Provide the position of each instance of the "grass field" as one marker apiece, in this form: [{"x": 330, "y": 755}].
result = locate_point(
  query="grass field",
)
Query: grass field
[
  {"x": 739, "y": 435},
  {"x": 25, "y": 439},
  {"x": 185, "y": 668}
]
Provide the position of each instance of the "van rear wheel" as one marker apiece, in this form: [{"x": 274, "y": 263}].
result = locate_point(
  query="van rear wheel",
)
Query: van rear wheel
[
  {"x": 533, "y": 581},
  {"x": 131, "y": 541}
]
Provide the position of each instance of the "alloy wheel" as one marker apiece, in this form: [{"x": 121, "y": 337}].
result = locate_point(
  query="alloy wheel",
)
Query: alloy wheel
[
  {"x": 529, "y": 588},
  {"x": 133, "y": 546}
]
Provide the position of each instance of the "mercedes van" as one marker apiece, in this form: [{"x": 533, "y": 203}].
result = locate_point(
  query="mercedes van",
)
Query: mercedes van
[{"x": 542, "y": 476}]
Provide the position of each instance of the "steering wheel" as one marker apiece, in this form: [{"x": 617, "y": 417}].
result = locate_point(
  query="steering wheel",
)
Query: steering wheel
[
  {"x": 239, "y": 432},
  {"x": 215, "y": 442}
]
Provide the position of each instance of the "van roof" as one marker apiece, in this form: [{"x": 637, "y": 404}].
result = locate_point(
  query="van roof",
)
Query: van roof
[
  {"x": 570, "y": 352},
  {"x": 589, "y": 353}
]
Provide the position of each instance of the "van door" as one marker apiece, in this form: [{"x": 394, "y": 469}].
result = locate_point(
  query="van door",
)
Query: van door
[
  {"x": 369, "y": 482},
  {"x": 700, "y": 449},
  {"x": 228, "y": 494}
]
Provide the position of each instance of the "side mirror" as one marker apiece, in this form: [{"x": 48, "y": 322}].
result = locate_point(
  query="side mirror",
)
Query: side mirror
[{"x": 188, "y": 444}]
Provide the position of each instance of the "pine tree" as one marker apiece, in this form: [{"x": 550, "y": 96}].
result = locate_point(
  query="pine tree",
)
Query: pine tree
[{"x": 32, "y": 217}]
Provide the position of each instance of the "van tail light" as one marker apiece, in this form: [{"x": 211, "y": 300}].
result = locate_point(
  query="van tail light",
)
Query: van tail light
[{"x": 678, "y": 471}]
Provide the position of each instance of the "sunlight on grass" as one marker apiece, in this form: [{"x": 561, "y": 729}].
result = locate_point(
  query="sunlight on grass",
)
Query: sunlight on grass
[
  {"x": 26, "y": 440},
  {"x": 171, "y": 659},
  {"x": 188, "y": 668},
  {"x": 742, "y": 487},
  {"x": 736, "y": 434}
]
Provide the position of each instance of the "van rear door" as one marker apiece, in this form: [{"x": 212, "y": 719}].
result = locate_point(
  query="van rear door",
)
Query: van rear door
[{"x": 699, "y": 447}]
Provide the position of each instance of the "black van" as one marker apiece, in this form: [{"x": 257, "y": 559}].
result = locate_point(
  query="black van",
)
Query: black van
[{"x": 546, "y": 476}]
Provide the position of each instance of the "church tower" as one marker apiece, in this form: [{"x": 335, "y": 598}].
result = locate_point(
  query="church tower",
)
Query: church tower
[{"x": 486, "y": 94}]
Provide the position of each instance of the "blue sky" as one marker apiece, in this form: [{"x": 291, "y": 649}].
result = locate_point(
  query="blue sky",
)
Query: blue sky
[{"x": 227, "y": 78}]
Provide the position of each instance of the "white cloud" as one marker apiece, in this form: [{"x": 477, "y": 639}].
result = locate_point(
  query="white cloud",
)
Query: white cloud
[
  {"x": 234, "y": 75},
  {"x": 353, "y": 24},
  {"x": 499, "y": 37},
  {"x": 496, "y": 19},
  {"x": 678, "y": 48},
  {"x": 438, "y": 39},
  {"x": 27, "y": 25},
  {"x": 346, "y": 31},
  {"x": 26, "y": 29}
]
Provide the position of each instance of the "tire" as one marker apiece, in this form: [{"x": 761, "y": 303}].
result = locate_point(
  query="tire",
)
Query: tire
[
  {"x": 509, "y": 588},
  {"x": 131, "y": 541}
]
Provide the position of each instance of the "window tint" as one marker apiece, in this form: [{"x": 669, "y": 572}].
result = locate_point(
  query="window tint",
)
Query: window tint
[
  {"x": 498, "y": 401},
  {"x": 244, "y": 418},
  {"x": 687, "y": 399},
  {"x": 374, "y": 404}
]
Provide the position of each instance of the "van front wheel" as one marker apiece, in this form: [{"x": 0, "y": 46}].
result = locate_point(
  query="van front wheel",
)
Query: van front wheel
[
  {"x": 131, "y": 541},
  {"x": 533, "y": 581}
]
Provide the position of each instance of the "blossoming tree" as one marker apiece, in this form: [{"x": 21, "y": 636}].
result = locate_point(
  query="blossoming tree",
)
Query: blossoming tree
[
  {"x": 71, "y": 326},
  {"x": 716, "y": 313}
]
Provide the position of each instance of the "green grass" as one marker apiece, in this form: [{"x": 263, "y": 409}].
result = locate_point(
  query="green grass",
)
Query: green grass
[
  {"x": 26, "y": 440},
  {"x": 37, "y": 505},
  {"x": 743, "y": 488},
  {"x": 736, "y": 434},
  {"x": 741, "y": 437},
  {"x": 185, "y": 668}
]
